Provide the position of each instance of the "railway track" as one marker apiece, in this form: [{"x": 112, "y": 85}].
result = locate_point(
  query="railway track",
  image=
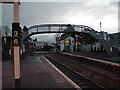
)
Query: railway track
[
  {"x": 87, "y": 71},
  {"x": 80, "y": 80},
  {"x": 91, "y": 68}
]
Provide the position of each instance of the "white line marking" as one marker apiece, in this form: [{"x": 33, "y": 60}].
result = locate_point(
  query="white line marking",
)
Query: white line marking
[{"x": 69, "y": 80}]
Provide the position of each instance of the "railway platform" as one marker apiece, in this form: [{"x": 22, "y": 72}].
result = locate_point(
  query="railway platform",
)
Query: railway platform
[
  {"x": 36, "y": 72},
  {"x": 99, "y": 57}
]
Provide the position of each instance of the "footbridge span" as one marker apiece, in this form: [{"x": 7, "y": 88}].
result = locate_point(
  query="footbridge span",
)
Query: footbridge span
[{"x": 108, "y": 44}]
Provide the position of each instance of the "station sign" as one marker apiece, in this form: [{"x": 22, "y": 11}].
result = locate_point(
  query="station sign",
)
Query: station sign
[{"x": 16, "y": 34}]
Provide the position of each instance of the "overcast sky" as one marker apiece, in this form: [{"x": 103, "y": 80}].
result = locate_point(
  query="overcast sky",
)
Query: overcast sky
[{"x": 80, "y": 13}]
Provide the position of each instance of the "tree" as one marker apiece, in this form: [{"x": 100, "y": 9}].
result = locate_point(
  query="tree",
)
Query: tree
[{"x": 5, "y": 31}]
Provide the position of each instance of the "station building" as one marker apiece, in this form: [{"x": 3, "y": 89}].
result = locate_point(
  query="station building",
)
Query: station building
[
  {"x": 67, "y": 44},
  {"x": 71, "y": 43}
]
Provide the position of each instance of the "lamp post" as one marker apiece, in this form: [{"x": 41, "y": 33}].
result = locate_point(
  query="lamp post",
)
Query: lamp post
[
  {"x": 100, "y": 26},
  {"x": 16, "y": 41}
]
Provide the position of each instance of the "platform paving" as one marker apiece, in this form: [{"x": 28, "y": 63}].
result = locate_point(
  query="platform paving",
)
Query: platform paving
[
  {"x": 36, "y": 72},
  {"x": 98, "y": 55}
]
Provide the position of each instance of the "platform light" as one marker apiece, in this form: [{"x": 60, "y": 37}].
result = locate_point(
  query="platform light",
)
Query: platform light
[
  {"x": 79, "y": 43},
  {"x": 5, "y": 40},
  {"x": 67, "y": 41},
  {"x": 42, "y": 46}
]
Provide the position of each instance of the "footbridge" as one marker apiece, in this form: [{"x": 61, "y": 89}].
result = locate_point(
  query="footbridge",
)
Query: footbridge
[{"x": 108, "y": 44}]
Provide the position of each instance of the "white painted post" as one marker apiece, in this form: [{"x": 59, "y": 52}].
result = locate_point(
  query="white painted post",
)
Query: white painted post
[
  {"x": 9, "y": 52},
  {"x": 23, "y": 48},
  {"x": 76, "y": 44},
  {"x": 111, "y": 49}
]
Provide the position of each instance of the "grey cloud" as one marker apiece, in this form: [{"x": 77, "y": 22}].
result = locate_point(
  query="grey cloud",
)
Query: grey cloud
[
  {"x": 7, "y": 15},
  {"x": 100, "y": 10},
  {"x": 56, "y": 12},
  {"x": 45, "y": 37},
  {"x": 45, "y": 12},
  {"x": 0, "y": 14}
]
